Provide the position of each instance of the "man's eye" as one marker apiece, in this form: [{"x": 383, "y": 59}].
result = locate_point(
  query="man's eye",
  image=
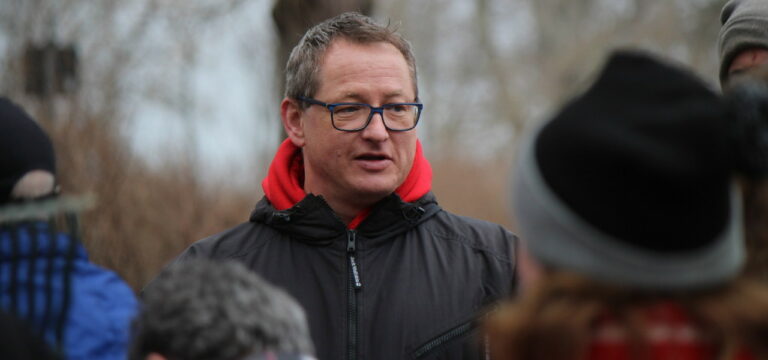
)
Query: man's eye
[{"x": 347, "y": 109}]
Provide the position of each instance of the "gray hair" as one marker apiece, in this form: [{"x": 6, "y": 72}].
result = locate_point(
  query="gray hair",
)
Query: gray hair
[
  {"x": 303, "y": 66},
  {"x": 200, "y": 309}
]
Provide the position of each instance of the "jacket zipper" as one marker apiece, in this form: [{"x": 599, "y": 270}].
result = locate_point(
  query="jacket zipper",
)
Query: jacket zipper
[
  {"x": 443, "y": 338},
  {"x": 354, "y": 286}
]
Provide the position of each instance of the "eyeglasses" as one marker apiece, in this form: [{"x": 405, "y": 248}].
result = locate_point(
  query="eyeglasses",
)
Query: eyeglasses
[{"x": 353, "y": 117}]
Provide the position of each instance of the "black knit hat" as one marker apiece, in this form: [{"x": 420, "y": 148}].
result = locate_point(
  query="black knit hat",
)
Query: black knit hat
[
  {"x": 632, "y": 181},
  {"x": 24, "y": 147}
]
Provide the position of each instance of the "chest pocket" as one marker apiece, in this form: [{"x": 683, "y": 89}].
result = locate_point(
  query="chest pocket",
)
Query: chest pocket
[{"x": 458, "y": 342}]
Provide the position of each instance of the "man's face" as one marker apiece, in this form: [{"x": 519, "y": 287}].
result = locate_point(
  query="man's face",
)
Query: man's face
[
  {"x": 748, "y": 59},
  {"x": 362, "y": 166}
]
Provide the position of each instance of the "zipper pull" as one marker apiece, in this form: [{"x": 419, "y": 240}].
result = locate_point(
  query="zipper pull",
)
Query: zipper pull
[
  {"x": 351, "y": 249},
  {"x": 351, "y": 241}
]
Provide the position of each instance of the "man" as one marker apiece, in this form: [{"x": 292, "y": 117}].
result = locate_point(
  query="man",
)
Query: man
[
  {"x": 348, "y": 225},
  {"x": 202, "y": 309},
  {"x": 82, "y": 310},
  {"x": 743, "y": 39}
]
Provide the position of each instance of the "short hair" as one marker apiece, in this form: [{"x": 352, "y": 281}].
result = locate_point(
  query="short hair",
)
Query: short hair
[
  {"x": 201, "y": 309},
  {"x": 303, "y": 66}
]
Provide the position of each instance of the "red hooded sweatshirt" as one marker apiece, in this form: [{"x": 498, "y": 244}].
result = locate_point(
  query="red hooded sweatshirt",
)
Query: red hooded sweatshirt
[
  {"x": 671, "y": 334},
  {"x": 284, "y": 184}
]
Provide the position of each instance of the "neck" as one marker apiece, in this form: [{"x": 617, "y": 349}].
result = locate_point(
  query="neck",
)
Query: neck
[
  {"x": 345, "y": 205},
  {"x": 344, "y": 210},
  {"x": 347, "y": 208}
]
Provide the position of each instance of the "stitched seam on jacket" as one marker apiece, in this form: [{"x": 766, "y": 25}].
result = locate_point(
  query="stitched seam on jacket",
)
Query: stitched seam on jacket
[{"x": 463, "y": 241}]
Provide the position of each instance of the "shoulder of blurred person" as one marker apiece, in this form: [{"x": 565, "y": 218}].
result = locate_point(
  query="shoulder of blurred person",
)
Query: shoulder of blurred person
[
  {"x": 348, "y": 200},
  {"x": 82, "y": 310},
  {"x": 90, "y": 307}
]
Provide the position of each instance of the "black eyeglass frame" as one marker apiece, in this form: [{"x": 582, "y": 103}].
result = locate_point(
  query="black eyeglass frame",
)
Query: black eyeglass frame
[{"x": 374, "y": 110}]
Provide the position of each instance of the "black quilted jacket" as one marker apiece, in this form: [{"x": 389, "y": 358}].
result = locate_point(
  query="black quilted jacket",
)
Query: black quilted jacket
[{"x": 408, "y": 283}]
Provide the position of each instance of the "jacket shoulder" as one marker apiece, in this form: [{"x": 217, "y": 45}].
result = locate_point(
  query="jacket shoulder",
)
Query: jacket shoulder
[
  {"x": 99, "y": 320},
  {"x": 231, "y": 243},
  {"x": 478, "y": 234}
]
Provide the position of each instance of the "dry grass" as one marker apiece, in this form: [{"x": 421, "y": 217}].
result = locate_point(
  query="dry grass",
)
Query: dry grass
[
  {"x": 471, "y": 188},
  {"x": 143, "y": 217}
]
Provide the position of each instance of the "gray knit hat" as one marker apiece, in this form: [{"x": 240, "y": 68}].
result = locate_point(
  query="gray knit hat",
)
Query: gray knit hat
[
  {"x": 631, "y": 183},
  {"x": 744, "y": 26}
]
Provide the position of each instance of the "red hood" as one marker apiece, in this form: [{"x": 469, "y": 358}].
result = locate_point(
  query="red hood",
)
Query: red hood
[
  {"x": 670, "y": 333},
  {"x": 283, "y": 185}
]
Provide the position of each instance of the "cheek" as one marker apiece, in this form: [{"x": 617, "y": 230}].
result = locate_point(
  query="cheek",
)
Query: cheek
[
  {"x": 325, "y": 144},
  {"x": 335, "y": 151},
  {"x": 406, "y": 150}
]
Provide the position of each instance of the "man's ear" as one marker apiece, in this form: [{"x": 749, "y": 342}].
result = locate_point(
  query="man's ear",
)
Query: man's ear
[{"x": 290, "y": 114}]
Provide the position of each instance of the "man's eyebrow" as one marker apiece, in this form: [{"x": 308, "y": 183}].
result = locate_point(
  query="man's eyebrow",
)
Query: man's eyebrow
[
  {"x": 392, "y": 94},
  {"x": 349, "y": 96},
  {"x": 359, "y": 98}
]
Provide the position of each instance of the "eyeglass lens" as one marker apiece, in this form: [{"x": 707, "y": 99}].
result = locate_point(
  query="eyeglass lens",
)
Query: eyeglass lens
[{"x": 355, "y": 116}]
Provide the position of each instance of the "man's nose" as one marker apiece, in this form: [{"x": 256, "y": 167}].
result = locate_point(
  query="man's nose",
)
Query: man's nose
[{"x": 376, "y": 131}]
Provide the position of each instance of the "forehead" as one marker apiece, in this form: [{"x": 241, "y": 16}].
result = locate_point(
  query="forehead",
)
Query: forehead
[{"x": 353, "y": 67}]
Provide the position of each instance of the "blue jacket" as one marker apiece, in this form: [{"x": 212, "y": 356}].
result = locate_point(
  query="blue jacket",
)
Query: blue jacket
[{"x": 87, "y": 315}]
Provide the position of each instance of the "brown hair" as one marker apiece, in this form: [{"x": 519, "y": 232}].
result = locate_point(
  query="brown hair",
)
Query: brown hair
[
  {"x": 301, "y": 71},
  {"x": 756, "y": 228},
  {"x": 555, "y": 319}
]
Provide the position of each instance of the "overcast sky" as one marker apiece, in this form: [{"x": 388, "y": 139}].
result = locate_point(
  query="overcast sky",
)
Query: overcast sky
[{"x": 232, "y": 101}]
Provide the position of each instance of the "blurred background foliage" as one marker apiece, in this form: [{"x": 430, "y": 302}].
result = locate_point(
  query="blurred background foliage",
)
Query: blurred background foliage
[{"x": 488, "y": 70}]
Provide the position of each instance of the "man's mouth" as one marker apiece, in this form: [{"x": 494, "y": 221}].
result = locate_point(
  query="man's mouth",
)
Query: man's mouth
[
  {"x": 372, "y": 157},
  {"x": 373, "y": 162}
]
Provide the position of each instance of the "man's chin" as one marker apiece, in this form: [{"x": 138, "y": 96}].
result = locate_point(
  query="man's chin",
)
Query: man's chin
[{"x": 371, "y": 192}]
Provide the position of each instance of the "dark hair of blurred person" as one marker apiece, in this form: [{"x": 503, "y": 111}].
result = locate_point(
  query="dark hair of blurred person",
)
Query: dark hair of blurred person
[
  {"x": 203, "y": 309},
  {"x": 631, "y": 222},
  {"x": 82, "y": 310}
]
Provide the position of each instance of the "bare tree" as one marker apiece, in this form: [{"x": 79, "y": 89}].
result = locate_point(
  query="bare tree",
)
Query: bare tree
[{"x": 143, "y": 216}]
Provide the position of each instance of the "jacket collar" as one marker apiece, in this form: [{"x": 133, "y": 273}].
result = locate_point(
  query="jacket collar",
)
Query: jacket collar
[{"x": 312, "y": 221}]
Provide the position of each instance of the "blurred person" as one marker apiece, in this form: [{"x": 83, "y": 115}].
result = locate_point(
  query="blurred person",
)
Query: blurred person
[
  {"x": 743, "y": 45},
  {"x": 348, "y": 224},
  {"x": 203, "y": 309},
  {"x": 743, "y": 38},
  {"x": 746, "y": 88},
  {"x": 631, "y": 222},
  {"x": 82, "y": 310}
]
